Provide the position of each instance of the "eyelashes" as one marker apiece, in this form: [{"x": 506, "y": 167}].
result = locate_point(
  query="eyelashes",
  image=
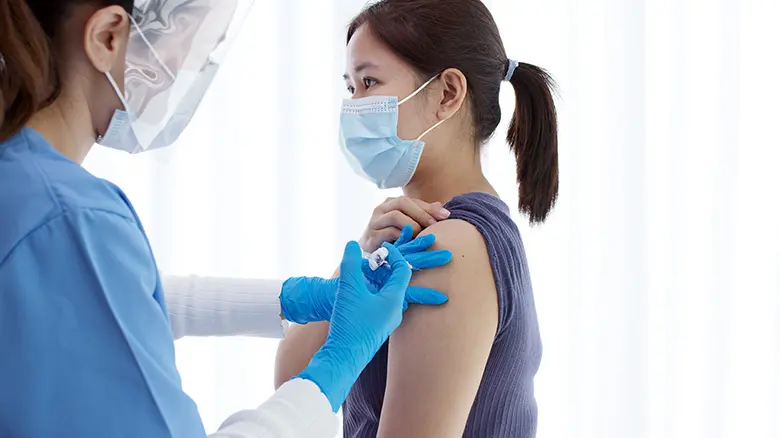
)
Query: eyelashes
[{"x": 367, "y": 84}]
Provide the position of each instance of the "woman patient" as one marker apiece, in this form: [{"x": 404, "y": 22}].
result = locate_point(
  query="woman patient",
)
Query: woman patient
[{"x": 467, "y": 368}]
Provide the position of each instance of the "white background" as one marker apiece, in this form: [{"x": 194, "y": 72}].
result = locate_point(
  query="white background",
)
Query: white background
[{"x": 657, "y": 278}]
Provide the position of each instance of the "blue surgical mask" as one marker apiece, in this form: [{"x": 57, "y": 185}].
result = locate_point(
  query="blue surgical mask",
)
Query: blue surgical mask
[{"x": 369, "y": 140}]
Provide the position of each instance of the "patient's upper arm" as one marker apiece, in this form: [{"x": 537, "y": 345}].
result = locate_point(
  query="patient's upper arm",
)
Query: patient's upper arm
[
  {"x": 438, "y": 354},
  {"x": 297, "y": 348}
]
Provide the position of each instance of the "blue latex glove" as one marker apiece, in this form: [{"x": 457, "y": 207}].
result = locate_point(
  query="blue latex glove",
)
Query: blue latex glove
[
  {"x": 361, "y": 323},
  {"x": 310, "y": 299},
  {"x": 414, "y": 251}
]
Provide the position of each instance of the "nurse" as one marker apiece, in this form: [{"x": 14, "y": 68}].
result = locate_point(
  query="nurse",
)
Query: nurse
[{"x": 86, "y": 346}]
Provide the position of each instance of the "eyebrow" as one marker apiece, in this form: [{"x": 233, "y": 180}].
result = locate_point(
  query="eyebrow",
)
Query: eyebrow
[{"x": 361, "y": 67}]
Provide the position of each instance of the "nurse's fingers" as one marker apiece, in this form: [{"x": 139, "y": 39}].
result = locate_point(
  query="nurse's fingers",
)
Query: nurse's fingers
[
  {"x": 424, "y": 295},
  {"x": 351, "y": 264},
  {"x": 406, "y": 235},
  {"x": 417, "y": 245},
  {"x": 370, "y": 273},
  {"x": 429, "y": 259},
  {"x": 401, "y": 274}
]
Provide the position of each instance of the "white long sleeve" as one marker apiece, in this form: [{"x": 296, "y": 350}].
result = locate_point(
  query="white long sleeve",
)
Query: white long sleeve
[
  {"x": 297, "y": 410},
  {"x": 200, "y": 306}
]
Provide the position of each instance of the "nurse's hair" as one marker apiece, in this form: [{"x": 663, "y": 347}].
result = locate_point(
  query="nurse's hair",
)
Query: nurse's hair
[
  {"x": 29, "y": 78},
  {"x": 434, "y": 35}
]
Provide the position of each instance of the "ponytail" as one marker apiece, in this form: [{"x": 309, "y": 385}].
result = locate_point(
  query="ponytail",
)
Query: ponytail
[
  {"x": 27, "y": 70},
  {"x": 533, "y": 137}
]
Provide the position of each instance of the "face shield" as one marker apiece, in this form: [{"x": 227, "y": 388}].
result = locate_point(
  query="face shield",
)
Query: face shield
[{"x": 174, "y": 52}]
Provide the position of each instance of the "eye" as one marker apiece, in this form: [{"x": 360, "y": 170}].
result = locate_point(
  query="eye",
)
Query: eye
[
  {"x": 369, "y": 82},
  {"x": 350, "y": 89}
]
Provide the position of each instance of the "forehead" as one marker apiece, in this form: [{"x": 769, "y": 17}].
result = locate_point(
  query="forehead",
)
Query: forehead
[{"x": 365, "y": 48}]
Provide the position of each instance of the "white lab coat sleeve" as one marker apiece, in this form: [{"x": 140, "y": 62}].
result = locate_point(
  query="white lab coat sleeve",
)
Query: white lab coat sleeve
[
  {"x": 202, "y": 306},
  {"x": 297, "y": 410}
]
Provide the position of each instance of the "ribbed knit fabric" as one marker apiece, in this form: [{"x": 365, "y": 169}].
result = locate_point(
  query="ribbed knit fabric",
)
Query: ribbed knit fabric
[
  {"x": 505, "y": 405},
  {"x": 207, "y": 306}
]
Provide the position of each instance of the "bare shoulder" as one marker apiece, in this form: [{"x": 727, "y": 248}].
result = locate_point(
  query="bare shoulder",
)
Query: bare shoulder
[
  {"x": 467, "y": 281},
  {"x": 456, "y": 232},
  {"x": 470, "y": 272},
  {"x": 442, "y": 344}
]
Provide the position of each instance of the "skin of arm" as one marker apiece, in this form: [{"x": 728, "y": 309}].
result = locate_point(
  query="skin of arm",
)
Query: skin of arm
[
  {"x": 438, "y": 355},
  {"x": 296, "y": 350}
]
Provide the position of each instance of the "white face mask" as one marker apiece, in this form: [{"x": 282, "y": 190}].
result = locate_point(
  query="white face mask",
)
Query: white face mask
[
  {"x": 369, "y": 140},
  {"x": 174, "y": 51}
]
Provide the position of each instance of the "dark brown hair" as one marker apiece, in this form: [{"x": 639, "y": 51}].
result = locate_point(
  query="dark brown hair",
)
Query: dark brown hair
[
  {"x": 29, "y": 81},
  {"x": 434, "y": 35}
]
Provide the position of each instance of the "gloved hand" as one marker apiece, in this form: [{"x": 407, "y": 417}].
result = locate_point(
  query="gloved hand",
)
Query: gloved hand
[
  {"x": 310, "y": 299},
  {"x": 361, "y": 323},
  {"x": 415, "y": 253}
]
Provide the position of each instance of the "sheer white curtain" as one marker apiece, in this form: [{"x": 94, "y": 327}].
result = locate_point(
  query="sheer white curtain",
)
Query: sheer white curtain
[{"x": 657, "y": 278}]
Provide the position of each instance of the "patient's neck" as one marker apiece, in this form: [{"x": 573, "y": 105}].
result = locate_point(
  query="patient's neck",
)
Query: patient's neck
[{"x": 443, "y": 179}]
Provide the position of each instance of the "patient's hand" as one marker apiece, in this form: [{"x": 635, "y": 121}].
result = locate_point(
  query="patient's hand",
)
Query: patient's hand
[{"x": 391, "y": 216}]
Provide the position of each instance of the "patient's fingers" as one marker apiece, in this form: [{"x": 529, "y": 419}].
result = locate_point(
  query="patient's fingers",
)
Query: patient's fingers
[
  {"x": 436, "y": 209},
  {"x": 391, "y": 216},
  {"x": 396, "y": 219},
  {"x": 410, "y": 209},
  {"x": 378, "y": 237}
]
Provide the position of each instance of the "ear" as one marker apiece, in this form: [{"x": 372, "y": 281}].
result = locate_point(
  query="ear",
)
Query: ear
[
  {"x": 105, "y": 38},
  {"x": 454, "y": 90}
]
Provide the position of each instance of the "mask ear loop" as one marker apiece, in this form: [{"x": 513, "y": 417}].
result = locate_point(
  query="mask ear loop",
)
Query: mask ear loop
[
  {"x": 122, "y": 100},
  {"x": 416, "y": 92},
  {"x": 432, "y": 128},
  {"x": 422, "y": 87},
  {"x": 118, "y": 92}
]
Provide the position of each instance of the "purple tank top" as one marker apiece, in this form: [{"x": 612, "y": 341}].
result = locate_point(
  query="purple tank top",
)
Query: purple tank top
[{"x": 505, "y": 404}]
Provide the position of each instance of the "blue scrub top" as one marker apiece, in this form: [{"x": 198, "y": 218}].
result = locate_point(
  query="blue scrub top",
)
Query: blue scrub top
[{"x": 86, "y": 348}]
